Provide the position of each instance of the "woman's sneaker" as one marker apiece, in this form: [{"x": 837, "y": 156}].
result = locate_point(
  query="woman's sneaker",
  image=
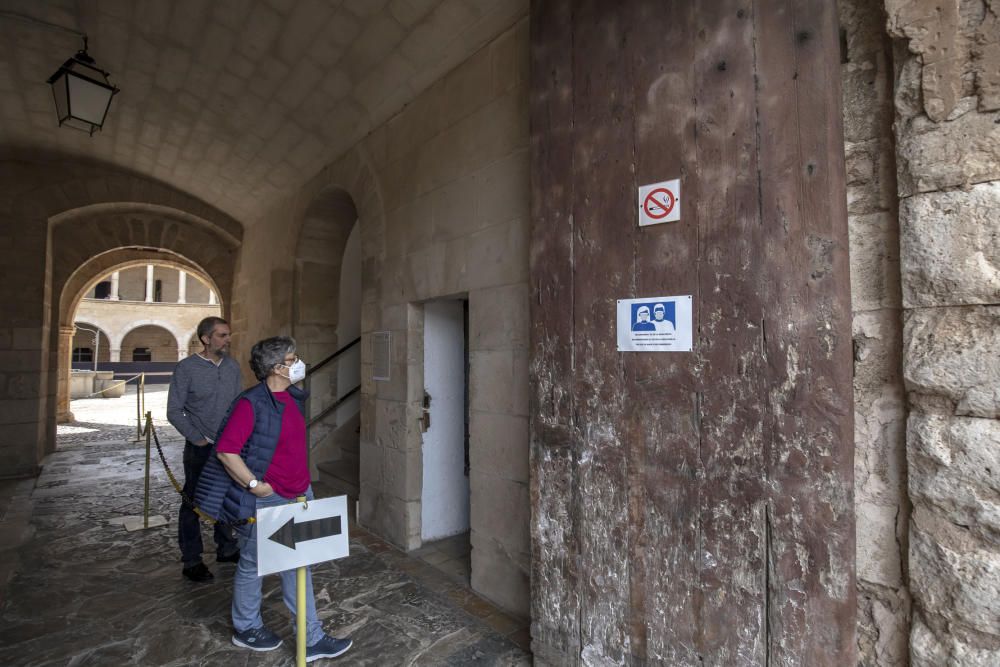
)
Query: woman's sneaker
[
  {"x": 257, "y": 639},
  {"x": 327, "y": 647}
]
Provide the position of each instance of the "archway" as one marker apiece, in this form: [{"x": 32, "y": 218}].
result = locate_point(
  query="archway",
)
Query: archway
[
  {"x": 181, "y": 325},
  {"x": 326, "y": 316},
  {"x": 151, "y": 343},
  {"x": 91, "y": 346}
]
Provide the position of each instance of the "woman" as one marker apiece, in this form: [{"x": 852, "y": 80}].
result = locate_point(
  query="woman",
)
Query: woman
[{"x": 267, "y": 426}]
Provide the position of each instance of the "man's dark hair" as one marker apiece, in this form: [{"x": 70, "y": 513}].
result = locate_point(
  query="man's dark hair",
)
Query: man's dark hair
[
  {"x": 207, "y": 326},
  {"x": 268, "y": 353}
]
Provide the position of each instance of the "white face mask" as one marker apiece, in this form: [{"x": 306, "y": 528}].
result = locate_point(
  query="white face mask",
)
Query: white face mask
[{"x": 297, "y": 371}]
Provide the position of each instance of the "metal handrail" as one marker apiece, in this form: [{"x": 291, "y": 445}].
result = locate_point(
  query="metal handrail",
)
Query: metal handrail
[
  {"x": 336, "y": 404},
  {"x": 316, "y": 367}
]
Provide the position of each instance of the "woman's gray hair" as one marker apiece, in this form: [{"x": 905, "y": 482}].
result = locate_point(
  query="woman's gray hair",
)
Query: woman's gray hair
[{"x": 268, "y": 353}]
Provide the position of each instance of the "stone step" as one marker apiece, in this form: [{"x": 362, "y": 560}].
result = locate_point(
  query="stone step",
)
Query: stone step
[{"x": 341, "y": 476}]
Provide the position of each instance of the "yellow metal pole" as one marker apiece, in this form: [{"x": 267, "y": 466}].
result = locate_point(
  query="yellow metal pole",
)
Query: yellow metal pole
[
  {"x": 300, "y": 617},
  {"x": 145, "y": 504},
  {"x": 138, "y": 415},
  {"x": 300, "y": 611}
]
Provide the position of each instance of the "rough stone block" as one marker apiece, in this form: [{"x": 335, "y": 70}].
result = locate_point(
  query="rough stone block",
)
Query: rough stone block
[
  {"x": 370, "y": 468},
  {"x": 874, "y": 254},
  {"x": 957, "y": 153},
  {"x": 454, "y": 209},
  {"x": 954, "y": 467},
  {"x": 956, "y": 587},
  {"x": 883, "y": 626},
  {"x": 496, "y": 577},
  {"x": 511, "y": 58},
  {"x": 468, "y": 86},
  {"x": 952, "y": 353},
  {"x": 866, "y": 115},
  {"x": 499, "y": 445},
  {"x": 880, "y": 454},
  {"x": 498, "y": 317},
  {"x": 500, "y": 510},
  {"x": 393, "y": 389},
  {"x": 502, "y": 190},
  {"x": 930, "y": 650},
  {"x": 879, "y": 559},
  {"x": 878, "y": 341},
  {"x": 949, "y": 246},
  {"x": 499, "y": 381},
  {"x": 402, "y": 473},
  {"x": 499, "y": 255},
  {"x": 390, "y": 424},
  {"x": 27, "y": 338}
]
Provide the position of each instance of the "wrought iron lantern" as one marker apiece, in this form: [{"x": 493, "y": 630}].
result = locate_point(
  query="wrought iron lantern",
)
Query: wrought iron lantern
[{"x": 82, "y": 92}]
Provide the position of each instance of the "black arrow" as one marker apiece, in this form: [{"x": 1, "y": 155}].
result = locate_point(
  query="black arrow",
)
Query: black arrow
[{"x": 292, "y": 533}]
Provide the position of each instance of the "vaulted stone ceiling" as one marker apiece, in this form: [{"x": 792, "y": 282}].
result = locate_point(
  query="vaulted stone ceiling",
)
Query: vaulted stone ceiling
[{"x": 234, "y": 101}]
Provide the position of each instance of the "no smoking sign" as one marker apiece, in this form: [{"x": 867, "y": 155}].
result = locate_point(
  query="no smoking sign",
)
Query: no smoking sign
[{"x": 660, "y": 202}]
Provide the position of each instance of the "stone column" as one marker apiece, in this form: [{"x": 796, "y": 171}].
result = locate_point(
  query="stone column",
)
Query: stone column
[
  {"x": 948, "y": 165},
  {"x": 115, "y": 354},
  {"x": 114, "y": 286},
  {"x": 211, "y": 298},
  {"x": 150, "y": 284},
  {"x": 181, "y": 287},
  {"x": 63, "y": 413}
]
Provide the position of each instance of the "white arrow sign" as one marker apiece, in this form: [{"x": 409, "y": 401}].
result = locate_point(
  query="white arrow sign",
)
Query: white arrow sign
[{"x": 294, "y": 535}]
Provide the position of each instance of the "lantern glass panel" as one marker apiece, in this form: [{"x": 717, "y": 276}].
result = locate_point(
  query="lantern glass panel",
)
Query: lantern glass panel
[
  {"x": 61, "y": 98},
  {"x": 88, "y": 100}
]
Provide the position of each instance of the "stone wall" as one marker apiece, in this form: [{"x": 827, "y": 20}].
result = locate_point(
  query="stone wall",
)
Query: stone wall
[
  {"x": 948, "y": 154},
  {"x": 85, "y": 339},
  {"x": 879, "y": 408},
  {"x": 119, "y": 318},
  {"x": 441, "y": 194},
  {"x": 161, "y": 344}
]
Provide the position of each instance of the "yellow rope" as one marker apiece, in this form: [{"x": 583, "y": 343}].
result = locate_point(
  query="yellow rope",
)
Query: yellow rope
[{"x": 173, "y": 480}]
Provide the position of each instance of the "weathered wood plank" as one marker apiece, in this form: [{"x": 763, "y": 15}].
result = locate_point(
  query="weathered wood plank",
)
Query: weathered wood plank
[
  {"x": 603, "y": 254},
  {"x": 554, "y": 545},
  {"x": 663, "y": 388},
  {"x": 731, "y": 595},
  {"x": 810, "y": 459}
]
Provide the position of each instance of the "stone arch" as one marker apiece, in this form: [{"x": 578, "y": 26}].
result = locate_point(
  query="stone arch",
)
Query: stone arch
[
  {"x": 326, "y": 225},
  {"x": 180, "y": 341},
  {"x": 86, "y": 243},
  {"x": 87, "y": 275},
  {"x": 351, "y": 176},
  {"x": 63, "y": 211},
  {"x": 104, "y": 338}
]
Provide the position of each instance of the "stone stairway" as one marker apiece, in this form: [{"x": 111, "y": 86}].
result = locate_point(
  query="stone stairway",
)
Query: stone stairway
[{"x": 339, "y": 469}]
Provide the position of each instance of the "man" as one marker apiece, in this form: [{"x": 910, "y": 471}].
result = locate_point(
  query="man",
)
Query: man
[
  {"x": 202, "y": 387},
  {"x": 642, "y": 322},
  {"x": 662, "y": 324}
]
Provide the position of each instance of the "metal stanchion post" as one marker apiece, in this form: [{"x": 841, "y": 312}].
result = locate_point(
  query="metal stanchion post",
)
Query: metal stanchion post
[
  {"x": 138, "y": 415},
  {"x": 145, "y": 504},
  {"x": 142, "y": 389}
]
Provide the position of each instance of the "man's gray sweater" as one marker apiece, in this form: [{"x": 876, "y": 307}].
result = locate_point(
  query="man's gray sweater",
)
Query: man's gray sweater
[{"x": 200, "y": 394}]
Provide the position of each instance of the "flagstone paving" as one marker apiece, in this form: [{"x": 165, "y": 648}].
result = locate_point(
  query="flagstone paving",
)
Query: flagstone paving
[{"x": 77, "y": 589}]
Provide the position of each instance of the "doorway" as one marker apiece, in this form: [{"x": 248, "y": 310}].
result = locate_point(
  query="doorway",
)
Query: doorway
[{"x": 444, "y": 510}]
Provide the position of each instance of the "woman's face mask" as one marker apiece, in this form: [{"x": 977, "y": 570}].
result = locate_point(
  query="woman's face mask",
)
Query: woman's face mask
[{"x": 297, "y": 371}]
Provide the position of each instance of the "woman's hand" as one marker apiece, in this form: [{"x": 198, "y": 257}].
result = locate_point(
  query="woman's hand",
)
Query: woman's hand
[{"x": 262, "y": 490}]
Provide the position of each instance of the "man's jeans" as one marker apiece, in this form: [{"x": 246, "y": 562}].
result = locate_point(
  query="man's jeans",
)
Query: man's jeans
[
  {"x": 247, "y": 585},
  {"x": 188, "y": 524}
]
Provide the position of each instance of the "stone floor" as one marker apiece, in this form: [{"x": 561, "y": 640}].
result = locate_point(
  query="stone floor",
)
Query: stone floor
[{"x": 77, "y": 589}]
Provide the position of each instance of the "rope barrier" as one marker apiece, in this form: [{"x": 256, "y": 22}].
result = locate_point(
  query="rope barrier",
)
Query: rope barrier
[
  {"x": 150, "y": 428},
  {"x": 96, "y": 393}
]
